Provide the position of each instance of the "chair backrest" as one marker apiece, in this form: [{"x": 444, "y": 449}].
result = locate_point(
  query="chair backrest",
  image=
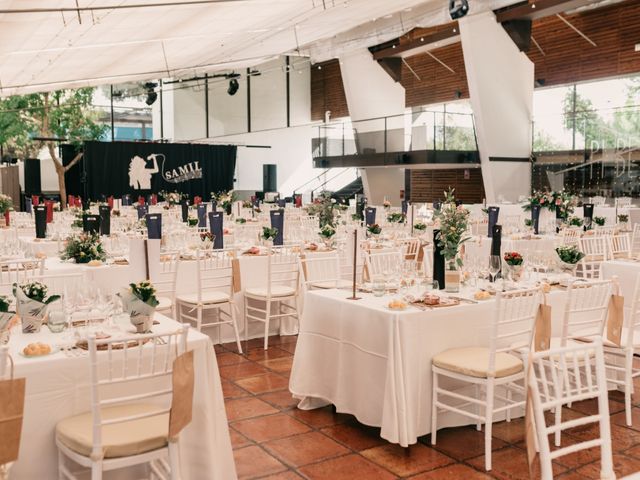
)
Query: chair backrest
[
  {"x": 118, "y": 362},
  {"x": 632, "y": 320},
  {"x": 596, "y": 250},
  {"x": 619, "y": 246},
  {"x": 382, "y": 263},
  {"x": 570, "y": 236},
  {"x": 585, "y": 310},
  {"x": 19, "y": 271},
  {"x": 513, "y": 321},
  {"x": 597, "y": 200},
  {"x": 623, "y": 201},
  {"x": 320, "y": 269},
  {"x": 214, "y": 271},
  {"x": 635, "y": 239},
  {"x": 410, "y": 248},
  {"x": 585, "y": 364},
  {"x": 165, "y": 274},
  {"x": 282, "y": 268},
  {"x": 605, "y": 229},
  {"x": 4, "y": 361},
  {"x": 61, "y": 284}
]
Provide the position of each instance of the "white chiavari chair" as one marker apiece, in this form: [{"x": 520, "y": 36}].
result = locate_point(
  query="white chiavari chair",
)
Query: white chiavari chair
[
  {"x": 597, "y": 201},
  {"x": 163, "y": 277},
  {"x": 5, "y": 373},
  {"x": 320, "y": 271},
  {"x": 595, "y": 249},
  {"x": 493, "y": 369},
  {"x": 619, "y": 246},
  {"x": 213, "y": 293},
  {"x": 605, "y": 230},
  {"x": 19, "y": 271},
  {"x": 279, "y": 290},
  {"x": 586, "y": 362},
  {"x": 124, "y": 429},
  {"x": 411, "y": 248},
  {"x": 620, "y": 369},
  {"x": 623, "y": 202},
  {"x": 381, "y": 263},
  {"x": 635, "y": 240},
  {"x": 570, "y": 237}
]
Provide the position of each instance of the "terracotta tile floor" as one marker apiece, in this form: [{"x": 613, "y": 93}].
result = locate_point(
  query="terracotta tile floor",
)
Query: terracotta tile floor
[{"x": 274, "y": 440}]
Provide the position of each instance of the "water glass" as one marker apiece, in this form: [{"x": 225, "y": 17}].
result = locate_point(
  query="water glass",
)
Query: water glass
[
  {"x": 57, "y": 321},
  {"x": 378, "y": 285}
]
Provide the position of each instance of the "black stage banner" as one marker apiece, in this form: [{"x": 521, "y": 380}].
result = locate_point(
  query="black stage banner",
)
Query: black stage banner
[{"x": 136, "y": 168}]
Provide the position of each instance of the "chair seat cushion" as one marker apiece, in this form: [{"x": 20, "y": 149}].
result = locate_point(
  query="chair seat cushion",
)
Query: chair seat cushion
[
  {"x": 474, "y": 362},
  {"x": 165, "y": 303},
  {"x": 326, "y": 284},
  {"x": 207, "y": 297},
  {"x": 120, "y": 439},
  {"x": 276, "y": 291}
]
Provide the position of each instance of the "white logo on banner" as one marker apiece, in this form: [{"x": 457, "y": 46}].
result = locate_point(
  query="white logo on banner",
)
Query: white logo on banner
[{"x": 140, "y": 175}]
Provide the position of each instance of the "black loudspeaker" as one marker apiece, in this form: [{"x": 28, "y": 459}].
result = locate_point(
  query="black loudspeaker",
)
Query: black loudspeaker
[
  {"x": 269, "y": 178},
  {"x": 32, "y": 184}
]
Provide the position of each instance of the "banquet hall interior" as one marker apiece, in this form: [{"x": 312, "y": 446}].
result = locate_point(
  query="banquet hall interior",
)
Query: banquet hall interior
[{"x": 319, "y": 239}]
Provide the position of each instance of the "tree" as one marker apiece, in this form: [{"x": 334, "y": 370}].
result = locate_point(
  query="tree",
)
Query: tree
[
  {"x": 31, "y": 122},
  {"x": 584, "y": 118}
]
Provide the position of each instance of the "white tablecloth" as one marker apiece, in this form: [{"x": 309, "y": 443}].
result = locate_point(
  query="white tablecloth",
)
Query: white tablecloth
[
  {"x": 33, "y": 246},
  {"x": 58, "y": 387},
  {"x": 376, "y": 364},
  {"x": 627, "y": 272},
  {"x": 542, "y": 245}
]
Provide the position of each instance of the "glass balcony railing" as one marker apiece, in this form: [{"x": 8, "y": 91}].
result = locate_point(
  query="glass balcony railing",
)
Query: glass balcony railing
[{"x": 410, "y": 132}]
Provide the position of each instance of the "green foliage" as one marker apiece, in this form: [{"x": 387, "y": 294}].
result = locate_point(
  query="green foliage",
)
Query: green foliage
[
  {"x": 269, "y": 233},
  {"x": 453, "y": 222},
  {"x": 146, "y": 292},
  {"x": 396, "y": 218},
  {"x": 35, "y": 291},
  {"x": 84, "y": 248},
  {"x": 600, "y": 221},
  {"x": 4, "y": 304},
  {"x": 575, "y": 222},
  {"x": 420, "y": 226},
  {"x": 570, "y": 255},
  {"x": 327, "y": 231}
]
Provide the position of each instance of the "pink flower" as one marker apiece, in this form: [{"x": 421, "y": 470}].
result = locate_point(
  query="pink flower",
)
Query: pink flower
[
  {"x": 542, "y": 200},
  {"x": 558, "y": 202}
]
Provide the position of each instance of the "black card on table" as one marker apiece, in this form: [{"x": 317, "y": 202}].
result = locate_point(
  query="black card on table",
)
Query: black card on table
[
  {"x": 438, "y": 261},
  {"x": 277, "y": 221},
  {"x": 535, "y": 218},
  {"x": 202, "y": 215},
  {"x": 105, "y": 220},
  {"x": 496, "y": 239},
  {"x": 405, "y": 207},
  {"x": 587, "y": 209},
  {"x": 41, "y": 220},
  {"x": 493, "y": 213},
  {"x": 91, "y": 223},
  {"x": 185, "y": 210},
  {"x": 216, "y": 227},
  {"x": 370, "y": 215},
  {"x": 281, "y": 202},
  {"x": 154, "y": 226}
]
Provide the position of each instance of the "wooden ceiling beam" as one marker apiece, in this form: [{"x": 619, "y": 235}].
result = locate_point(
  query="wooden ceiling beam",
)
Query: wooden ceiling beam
[
  {"x": 417, "y": 41},
  {"x": 533, "y": 10}
]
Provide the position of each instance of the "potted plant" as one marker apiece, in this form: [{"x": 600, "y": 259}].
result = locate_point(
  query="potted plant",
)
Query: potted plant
[
  {"x": 192, "y": 221},
  {"x": 420, "y": 226},
  {"x": 241, "y": 220},
  {"x": 84, "y": 248},
  {"x": 225, "y": 200},
  {"x": 31, "y": 304},
  {"x": 575, "y": 222},
  {"x": 374, "y": 230},
  {"x": 327, "y": 232},
  {"x": 140, "y": 302},
  {"x": 623, "y": 220},
  {"x": 569, "y": 257},
  {"x": 396, "y": 218},
  {"x": 514, "y": 265},
  {"x": 6, "y": 319},
  {"x": 207, "y": 239},
  {"x": 268, "y": 235},
  {"x": 453, "y": 220},
  {"x": 6, "y": 204},
  {"x": 386, "y": 204},
  {"x": 600, "y": 221}
]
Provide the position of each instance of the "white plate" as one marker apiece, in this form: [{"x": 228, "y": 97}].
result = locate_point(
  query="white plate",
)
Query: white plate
[{"x": 54, "y": 349}]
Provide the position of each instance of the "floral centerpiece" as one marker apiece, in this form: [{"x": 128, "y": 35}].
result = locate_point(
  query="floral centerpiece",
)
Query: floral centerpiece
[
  {"x": 84, "y": 248},
  {"x": 600, "y": 221},
  {"x": 241, "y": 220},
  {"x": 374, "y": 229},
  {"x": 6, "y": 319},
  {"x": 552, "y": 201},
  {"x": 207, "y": 238},
  {"x": 514, "y": 262},
  {"x": 323, "y": 207},
  {"x": 453, "y": 220},
  {"x": 528, "y": 222},
  {"x": 356, "y": 218},
  {"x": 623, "y": 218},
  {"x": 420, "y": 226},
  {"x": 225, "y": 200},
  {"x": 31, "y": 304},
  {"x": 140, "y": 302},
  {"x": 6, "y": 204},
  {"x": 269, "y": 234},
  {"x": 575, "y": 222},
  {"x": 115, "y": 212},
  {"x": 327, "y": 232},
  {"x": 386, "y": 204},
  {"x": 192, "y": 221},
  {"x": 569, "y": 257},
  {"x": 396, "y": 218},
  {"x": 172, "y": 198}
]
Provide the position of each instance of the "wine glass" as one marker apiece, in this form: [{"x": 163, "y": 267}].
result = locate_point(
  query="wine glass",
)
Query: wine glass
[{"x": 495, "y": 263}]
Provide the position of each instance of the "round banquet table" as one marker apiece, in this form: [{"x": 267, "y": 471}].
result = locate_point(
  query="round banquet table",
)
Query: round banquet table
[
  {"x": 57, "y": 387},
  {"x": 545, "y": 245},
  {"x": 35, "y": 246}
]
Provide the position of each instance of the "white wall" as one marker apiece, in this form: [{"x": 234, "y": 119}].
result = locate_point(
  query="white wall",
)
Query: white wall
[
  {"x": 383, "y": 182},
  {"x": 227, "y": 113},
  {"x": 500, "y": 79}
]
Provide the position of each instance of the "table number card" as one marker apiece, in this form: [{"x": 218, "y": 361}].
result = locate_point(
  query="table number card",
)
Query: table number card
[
  {"x": 277, "y": 221},
  {"x": 185, "y": 210},
  {"x": 438, "y": 261},
  {"x": 216, "y": 224},
  {"x": 91, "y": 223},
  {"x": 493, "y": 212},
  {"x": 405, "y": 207},
  {"x": 126, "y": 200},
  {"x": 41, "y": 220},
  {"x": 370, "y": 215},
  {"x": 496, "y": 242},
  {"x": 281, "y": 202},
  {"x": 535, "y": 218},
  {"x": 154, "y": 226},
  {"x": 105, "y": 220},
  {"x": 202, "y": 215},
  {"x": 587, "y": 211},
  {"x": 28, "y": 205}
]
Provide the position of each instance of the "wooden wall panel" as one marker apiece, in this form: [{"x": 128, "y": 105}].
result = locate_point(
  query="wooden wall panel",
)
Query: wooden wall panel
[
  {"x": 327, "y": 91},
  {"x": 429, "y": 185},
  {"x": 568, "y": 59}
]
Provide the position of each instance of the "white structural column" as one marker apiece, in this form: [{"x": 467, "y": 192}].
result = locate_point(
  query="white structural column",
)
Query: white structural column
[
  {"x": 371, "y": 96},
  {"x": 500, "y": 79}
]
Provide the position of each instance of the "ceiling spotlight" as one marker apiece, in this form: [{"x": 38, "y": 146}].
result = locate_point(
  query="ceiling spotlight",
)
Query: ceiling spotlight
[
  {"x": 458, "y": 8},
  {"x": 233, "y": 86},
  {"x": 152, "y": 95}
]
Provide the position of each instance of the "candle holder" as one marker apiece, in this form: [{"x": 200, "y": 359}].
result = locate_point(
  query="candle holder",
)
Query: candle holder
[{"x": 355, "y": 262}]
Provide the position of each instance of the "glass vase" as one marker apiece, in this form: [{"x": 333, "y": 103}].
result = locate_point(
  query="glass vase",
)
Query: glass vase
[{"x": 452, "y": 276}]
